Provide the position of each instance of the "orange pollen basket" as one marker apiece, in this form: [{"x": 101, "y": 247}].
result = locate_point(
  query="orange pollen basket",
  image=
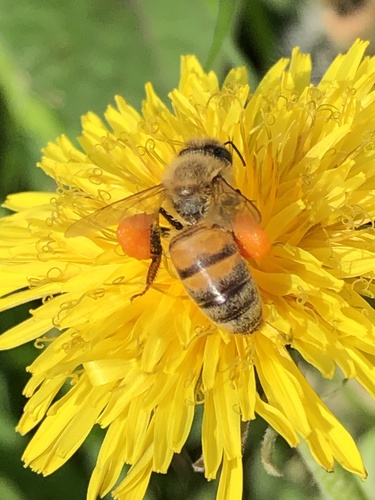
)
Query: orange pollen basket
[
  {"x": 251, "y": 239},
  {"x": 134, "y": 235}
]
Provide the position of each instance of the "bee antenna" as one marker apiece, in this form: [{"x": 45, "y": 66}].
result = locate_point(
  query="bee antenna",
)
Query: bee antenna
[{"x": 237, "y": 151}]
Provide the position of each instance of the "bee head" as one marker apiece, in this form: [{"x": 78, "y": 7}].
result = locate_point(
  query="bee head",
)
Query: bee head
[{"x": 188, "y": 180}]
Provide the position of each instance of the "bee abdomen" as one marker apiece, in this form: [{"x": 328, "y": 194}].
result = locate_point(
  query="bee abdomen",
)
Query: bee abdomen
[{"x": 217, "y": 278}]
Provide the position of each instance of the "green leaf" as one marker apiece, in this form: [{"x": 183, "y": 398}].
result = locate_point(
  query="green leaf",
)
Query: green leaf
[
  {"x": 338, "y": 485},
  {"x": 367, "y": 446},
  {"x": 224, "y": 24},
  {"x": 26, "y": 108}
]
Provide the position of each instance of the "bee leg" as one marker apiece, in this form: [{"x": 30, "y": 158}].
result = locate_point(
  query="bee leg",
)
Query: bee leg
[
  {"x": 172, "y": 221},
  {"x": 156, "y": 253},
  {"x": 164, "y": 232}
]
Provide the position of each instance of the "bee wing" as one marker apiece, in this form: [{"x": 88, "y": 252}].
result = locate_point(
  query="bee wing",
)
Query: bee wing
[
  {"x": 230, "y": 201},
  {"x": 114, "y": 213}
]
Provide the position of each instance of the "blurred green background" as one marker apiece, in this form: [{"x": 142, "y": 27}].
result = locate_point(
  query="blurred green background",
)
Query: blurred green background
[{"x": 59, "y": 60}]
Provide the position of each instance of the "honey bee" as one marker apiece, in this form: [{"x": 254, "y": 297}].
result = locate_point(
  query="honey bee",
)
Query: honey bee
[{"x": 215, "y": 230}]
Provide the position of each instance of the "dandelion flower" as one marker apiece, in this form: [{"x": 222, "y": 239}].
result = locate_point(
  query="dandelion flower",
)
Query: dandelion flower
[{"x": 139, "y": 368}]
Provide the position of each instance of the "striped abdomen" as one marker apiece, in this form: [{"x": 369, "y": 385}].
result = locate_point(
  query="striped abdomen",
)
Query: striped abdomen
[{"x": 217, "y": 278}]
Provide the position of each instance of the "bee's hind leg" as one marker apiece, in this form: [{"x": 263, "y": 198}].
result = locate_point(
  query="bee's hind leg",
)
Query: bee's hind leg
[{"x": 156, "y": 253}]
